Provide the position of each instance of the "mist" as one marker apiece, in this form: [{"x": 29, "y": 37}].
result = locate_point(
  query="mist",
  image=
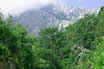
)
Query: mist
[{"x": 15, "y": 7}]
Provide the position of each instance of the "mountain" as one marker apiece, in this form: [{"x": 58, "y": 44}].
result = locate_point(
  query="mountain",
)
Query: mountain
[{"x": 52, "y": 15}]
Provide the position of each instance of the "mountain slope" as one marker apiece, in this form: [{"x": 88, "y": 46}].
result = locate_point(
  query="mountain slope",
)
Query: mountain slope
[{"x": 51, "y": 16}]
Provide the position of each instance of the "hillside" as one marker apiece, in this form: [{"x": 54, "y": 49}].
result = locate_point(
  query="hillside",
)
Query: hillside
[
  {"x": 79, "y": 46},
  {"x": 51, "y": 16}
]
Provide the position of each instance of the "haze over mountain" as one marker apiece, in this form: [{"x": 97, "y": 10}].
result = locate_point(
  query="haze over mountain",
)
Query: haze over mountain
[
  {"x": 72, "y": 37},
  {"x": 16, "y": 7},
  {"x": 57, "y": 14}
]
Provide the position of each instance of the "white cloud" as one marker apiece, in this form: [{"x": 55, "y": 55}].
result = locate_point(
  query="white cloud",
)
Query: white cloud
[{"x": 18, "y": 6}]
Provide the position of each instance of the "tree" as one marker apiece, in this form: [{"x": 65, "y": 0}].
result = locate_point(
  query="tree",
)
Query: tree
[{"x": 15, "y": 44}]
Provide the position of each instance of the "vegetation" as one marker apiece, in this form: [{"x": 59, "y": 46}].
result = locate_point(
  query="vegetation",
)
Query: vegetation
[{"x": 79, "y": 46}]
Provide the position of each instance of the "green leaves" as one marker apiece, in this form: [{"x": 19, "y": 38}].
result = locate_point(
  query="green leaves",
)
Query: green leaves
[
  {"x": 74, "y": 48},
  {"x": 83, "y": 31},
  {"x": 15, "y": 44},
  {"x": 97, "y": 57},
  {"x": 52, "y": 38},
  {"x": 4, "y": 53}
]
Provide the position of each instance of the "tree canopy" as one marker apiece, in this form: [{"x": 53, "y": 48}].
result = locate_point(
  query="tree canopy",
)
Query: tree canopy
[{"x": 79, "y": 46}]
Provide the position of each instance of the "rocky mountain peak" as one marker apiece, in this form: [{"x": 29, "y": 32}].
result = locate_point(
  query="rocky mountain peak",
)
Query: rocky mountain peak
[{"x": 51, "y": 15}]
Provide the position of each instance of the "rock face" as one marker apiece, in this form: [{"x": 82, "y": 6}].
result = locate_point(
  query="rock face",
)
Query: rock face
[{"x": 51, "y": 16}]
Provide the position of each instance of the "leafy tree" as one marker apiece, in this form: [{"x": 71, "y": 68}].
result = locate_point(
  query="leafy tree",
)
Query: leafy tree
[
  {"x": 15, "y": 44},
  {"x": 83, "y": 31}
]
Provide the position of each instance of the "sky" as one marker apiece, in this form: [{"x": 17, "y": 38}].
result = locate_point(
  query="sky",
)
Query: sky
[
  {"x": 87, "y": 3},
  {"x": 19, "y": 6}
]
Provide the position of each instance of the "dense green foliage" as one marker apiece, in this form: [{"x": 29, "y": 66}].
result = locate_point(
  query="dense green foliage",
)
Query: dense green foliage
[{"x": 79, "y": 46}]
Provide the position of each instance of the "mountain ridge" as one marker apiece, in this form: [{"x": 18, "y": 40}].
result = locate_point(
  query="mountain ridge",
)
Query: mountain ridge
[{"x": 51, "y": 16}]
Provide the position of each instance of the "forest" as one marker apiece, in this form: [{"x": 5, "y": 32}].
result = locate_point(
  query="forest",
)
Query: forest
[{"x": 79, "y": 46}]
